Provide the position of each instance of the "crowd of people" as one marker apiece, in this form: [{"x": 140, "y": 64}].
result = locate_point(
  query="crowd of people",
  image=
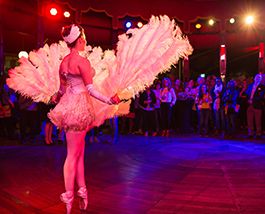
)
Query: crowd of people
[{"x": 207, "y": 106}]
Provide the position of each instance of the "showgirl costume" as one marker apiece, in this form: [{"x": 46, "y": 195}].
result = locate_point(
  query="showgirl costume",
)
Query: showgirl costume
[
  {"x": 141, "y": 55},
  {"x": 75, "y": 109}
]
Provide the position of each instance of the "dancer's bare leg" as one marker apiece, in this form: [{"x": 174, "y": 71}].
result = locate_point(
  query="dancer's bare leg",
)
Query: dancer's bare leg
[
  {"x": 74, "y": 150},
  {"x": 80, "y": 173}
]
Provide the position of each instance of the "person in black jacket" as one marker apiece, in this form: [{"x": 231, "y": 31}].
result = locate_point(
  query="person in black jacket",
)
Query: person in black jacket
[
  {"x": 7, "y": 105},
  {"x": 218, "y": 109},
  {"x": 148, "y": 101},
  {"x": 256, "y": 97},
  {"x": 230, "y": 102}
]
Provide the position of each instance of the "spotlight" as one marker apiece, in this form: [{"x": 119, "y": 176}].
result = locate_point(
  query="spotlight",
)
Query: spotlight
[
  {"x": 198, "y": 26},
  {"x": 53, "y": 11},
  {"x": 66, "y": 14},
  {"x": 211, "y": 22},
  {"x": 23, "y": 54},
  {"x": 223, "y": 76},
  {"x": 249, "y": 20},
  {"x": 139, "y": 24},
  {"x": 128, "y": 24},
  {"x": 222, "y": 57},
  {"x": 232, "y": 21}
]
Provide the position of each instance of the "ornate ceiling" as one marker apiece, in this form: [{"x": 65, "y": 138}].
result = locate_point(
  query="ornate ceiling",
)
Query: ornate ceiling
[{"x": 22, "y": 21}]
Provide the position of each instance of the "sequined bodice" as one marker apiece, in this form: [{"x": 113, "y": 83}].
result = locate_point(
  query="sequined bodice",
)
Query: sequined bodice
[{"x": 75, "y": 83}]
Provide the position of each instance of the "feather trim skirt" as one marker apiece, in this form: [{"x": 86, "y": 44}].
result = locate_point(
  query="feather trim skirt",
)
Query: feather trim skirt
[{"x": 73, "y": 112}]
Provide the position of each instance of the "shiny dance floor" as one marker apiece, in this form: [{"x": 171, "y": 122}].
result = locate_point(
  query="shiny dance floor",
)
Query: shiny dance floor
[{"x": 138, "y": 175}]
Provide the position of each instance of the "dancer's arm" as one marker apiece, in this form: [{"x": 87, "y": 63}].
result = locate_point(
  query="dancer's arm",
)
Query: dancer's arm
[
  {"x": 86, "y": 71},
  {"x": 57, "y": 96},
  {"x": 93, "y": 92}
]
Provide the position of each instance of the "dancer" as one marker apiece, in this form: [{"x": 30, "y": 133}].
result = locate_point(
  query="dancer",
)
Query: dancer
[{"x": 74, "y": 112}]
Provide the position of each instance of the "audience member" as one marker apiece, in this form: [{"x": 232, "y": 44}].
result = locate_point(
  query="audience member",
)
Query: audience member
[
  {"x": 168, "y": 99},
  {"x": 256, "y": 97}
]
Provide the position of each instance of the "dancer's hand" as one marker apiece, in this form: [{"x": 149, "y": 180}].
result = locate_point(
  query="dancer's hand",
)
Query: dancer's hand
[
  {"x": 115, "y": 99},
  {"x": 55, "y": 98}
]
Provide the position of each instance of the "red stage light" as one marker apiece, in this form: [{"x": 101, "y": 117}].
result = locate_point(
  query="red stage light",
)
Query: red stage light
[
  {"x": 222, "y": 61},
  {"x": 53, "y": 11}
]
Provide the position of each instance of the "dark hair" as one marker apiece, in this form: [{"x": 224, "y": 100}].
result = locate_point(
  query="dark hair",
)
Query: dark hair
[
  {"x": 218, "y": 78},
  {"x": 66, "y": 31},
  {"x": 168, "y": 80},
  {"x": 200, "y": 90},
  {"x": 230, "y": 84}
]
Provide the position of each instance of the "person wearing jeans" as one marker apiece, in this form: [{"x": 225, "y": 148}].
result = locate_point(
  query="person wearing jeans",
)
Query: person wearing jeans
[
  {"x": 203, "y": 101},
  {"x": 256, "y": 100}
]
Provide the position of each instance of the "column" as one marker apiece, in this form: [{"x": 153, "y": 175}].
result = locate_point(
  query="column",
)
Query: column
[{"x": 40, "y": 27}]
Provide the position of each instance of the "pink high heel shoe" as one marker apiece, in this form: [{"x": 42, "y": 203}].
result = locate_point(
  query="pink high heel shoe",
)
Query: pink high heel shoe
[
  {"x": 67, "y": 198},
  {"x": 82, "y": 193}
]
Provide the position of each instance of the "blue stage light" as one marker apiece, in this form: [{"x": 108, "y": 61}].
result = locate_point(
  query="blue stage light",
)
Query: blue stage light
[{"x": 128, "y": 24}]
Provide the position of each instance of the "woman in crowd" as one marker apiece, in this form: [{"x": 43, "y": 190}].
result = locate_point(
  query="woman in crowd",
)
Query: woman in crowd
[
  {"x": 156, "y": 91},
  {"x": 217, "y": 93},
  {"x": 203, "y": 101},
  {"x": 188, "y": 98},
  {"x": 200, "y": 81},
  {"x": 148, "y": 101},
  {"x": 29, "y": 121},
  {"x": 48, "y": 124},
  {"x": 138, "y": 119},
  {"x": 177, "y": 108},
  {"x": 256, "y": 101},
  {"x": 243, "y": 102},
  {"x": 168, "y": 99}
]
